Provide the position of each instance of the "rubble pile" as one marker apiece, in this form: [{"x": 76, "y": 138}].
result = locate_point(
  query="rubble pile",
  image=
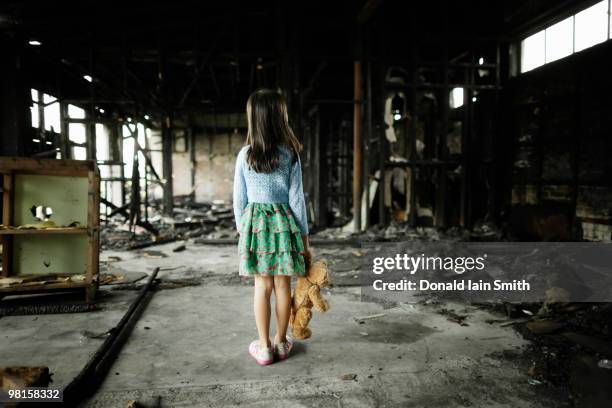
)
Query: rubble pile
[
  {"x": 190, "y": 220},
  {"x": 570, "y": 346},
  {"x": 395, "y": 231}
]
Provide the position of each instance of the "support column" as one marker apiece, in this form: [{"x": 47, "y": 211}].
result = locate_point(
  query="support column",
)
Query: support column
[
  {"x": 167, "y": 164},
  {"x": 357, "y": 114}
]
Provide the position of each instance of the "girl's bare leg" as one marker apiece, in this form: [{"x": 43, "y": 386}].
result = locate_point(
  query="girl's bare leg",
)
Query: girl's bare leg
[
  {"x": 282, "y": 292},
  {"x": 264, "y": 285}
]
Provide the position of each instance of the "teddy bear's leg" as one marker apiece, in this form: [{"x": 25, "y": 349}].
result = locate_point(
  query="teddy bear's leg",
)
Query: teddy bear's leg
[
  {"x": 317, "y": 300},
  {"x": 301, "y": 334},
  {"x": 300, "y": 324}
]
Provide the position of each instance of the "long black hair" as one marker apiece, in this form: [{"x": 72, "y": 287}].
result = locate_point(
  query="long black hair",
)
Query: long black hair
[{"x": 268, "y": 129}]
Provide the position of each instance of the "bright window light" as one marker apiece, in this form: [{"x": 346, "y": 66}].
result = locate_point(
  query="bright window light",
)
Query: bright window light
[
  {"x": 592, "y": 26},
  {"x": 77, "y": 132},
  {"x": 35, "y": 43},
  {"x": 74, "y": 112},
  {"x": 128, "y": 152},
  {"x": 47, "y": 99},
  {"x": 102, "y": 142},
  {"x": 88, "y": 78},
  {"x": 456, "y": 98},
  {"x": 559, "y": 40},
  {"x": 35, "y": 120},
  {"x": 79, "y": 153},
  {"x": 34, "y": 116},
  {"x": 142, "y": 135},
  {"x": 533, "y": 51},
  {"x": 480, "y": 61},
  {"x": 52, "y": 114}
]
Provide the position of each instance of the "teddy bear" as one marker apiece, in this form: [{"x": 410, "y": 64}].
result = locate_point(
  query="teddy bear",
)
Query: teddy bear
[{"x": 306, "y": 295}]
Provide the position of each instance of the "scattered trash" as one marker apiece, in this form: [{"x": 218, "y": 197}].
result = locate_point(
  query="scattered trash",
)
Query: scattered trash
[
  {"x": 544, "y": 326},
  {"x": 451, "y": 316},
  {"x": 208, "y": 221},
  {"x": 154, "y": 254},
  {"x": 171, "y": 268},
  {"x": 22, "y": 377},
  {"x": 362, "y": 319},
  {"x": 110, "y": 278},
  {"x": 91, "y": 335},
  {"x": 179, "y": 248},
  {"x": 348, "y": 377},
  {"x": 178, "y": 283},
  {"x": 533, "y": 381}
]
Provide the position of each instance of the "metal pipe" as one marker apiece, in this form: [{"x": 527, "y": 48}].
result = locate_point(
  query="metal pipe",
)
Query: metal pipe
[
  {"x": 357, "y": 148},
  {"x": 94, "y": 371}
]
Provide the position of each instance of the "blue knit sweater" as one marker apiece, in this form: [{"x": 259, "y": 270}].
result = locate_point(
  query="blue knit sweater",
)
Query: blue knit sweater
[{"x": 283, "y": 185}]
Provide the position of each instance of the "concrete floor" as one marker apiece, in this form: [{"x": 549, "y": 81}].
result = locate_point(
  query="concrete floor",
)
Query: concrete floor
[{"x": 190, "y": 346}]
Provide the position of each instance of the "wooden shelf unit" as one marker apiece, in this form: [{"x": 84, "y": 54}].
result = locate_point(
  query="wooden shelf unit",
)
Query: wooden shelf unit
[
  {"x": 76, "y": 248},
  {"x": 67, "y": 230}
]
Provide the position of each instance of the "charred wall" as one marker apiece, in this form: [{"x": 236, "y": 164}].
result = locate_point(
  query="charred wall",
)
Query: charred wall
[{"x": 559, "y": 122}]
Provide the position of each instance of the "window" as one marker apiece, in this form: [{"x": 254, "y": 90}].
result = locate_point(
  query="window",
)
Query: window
[
  {"x": 102, "y": 142},
  {"x": 533, "y": 51},
  {"x": 592, "y": 26},
  {"x": 74, "y": 112},
  {"x": 52, "y": 113},
  {"x": 34, "y": 109},
  {"x": 456, "y": 98},
  {"x": 128, "y": 151},
  {"x": 77, "y": 133},
  {"x": 559, "y": 40},
  {"x": 79, "y": 153},
  {"x": 576, "y": 33}
]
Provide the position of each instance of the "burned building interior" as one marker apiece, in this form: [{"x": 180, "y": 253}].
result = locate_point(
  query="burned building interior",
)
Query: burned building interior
[{"x": 420, "y": 121}]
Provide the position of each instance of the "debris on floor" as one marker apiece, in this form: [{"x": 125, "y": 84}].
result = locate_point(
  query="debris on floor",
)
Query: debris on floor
[
  {"x": 25, "y": 280},
  {"x": 454, "y": 317},
  {"x": 22, "y": 377},
  {"x": 190, "y": 220}
]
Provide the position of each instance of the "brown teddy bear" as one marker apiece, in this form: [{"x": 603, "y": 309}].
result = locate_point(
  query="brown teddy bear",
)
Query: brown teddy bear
[{"x": 307, "y": 295}]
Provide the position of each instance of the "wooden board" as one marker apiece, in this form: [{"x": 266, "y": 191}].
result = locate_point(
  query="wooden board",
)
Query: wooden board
[
  {"x": 41, "y": 287},
  {"x": 47, "y": 166},
  {"x": 7, "y": 219},
  {"x": 41, "y": 254},
  {"x": 15, "y": 231},
  {"x": 67, "y": 197}
]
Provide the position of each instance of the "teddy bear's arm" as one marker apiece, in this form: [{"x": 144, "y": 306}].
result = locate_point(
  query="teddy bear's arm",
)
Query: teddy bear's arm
[{"x": 320, "y": 304}]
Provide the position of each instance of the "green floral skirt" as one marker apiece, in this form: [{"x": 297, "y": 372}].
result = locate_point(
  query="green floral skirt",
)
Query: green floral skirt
[{"x": 270, "y": 241}]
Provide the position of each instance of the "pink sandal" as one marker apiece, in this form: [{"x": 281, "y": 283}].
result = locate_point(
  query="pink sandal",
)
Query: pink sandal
[
  {"x": 263, "y": 355},
  {"x": 283, "y": 349}
]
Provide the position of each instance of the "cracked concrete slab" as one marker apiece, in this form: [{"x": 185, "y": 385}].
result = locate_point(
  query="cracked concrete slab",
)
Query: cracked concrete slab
[{"x": 189, "y": 348}]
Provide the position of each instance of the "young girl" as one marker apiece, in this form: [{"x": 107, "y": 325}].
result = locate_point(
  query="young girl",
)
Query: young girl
[{"x": 270, "y": 217}]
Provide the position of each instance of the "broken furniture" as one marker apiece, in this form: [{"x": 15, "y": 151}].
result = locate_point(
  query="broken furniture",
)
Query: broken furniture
[{"x": 58, "y": 254}]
